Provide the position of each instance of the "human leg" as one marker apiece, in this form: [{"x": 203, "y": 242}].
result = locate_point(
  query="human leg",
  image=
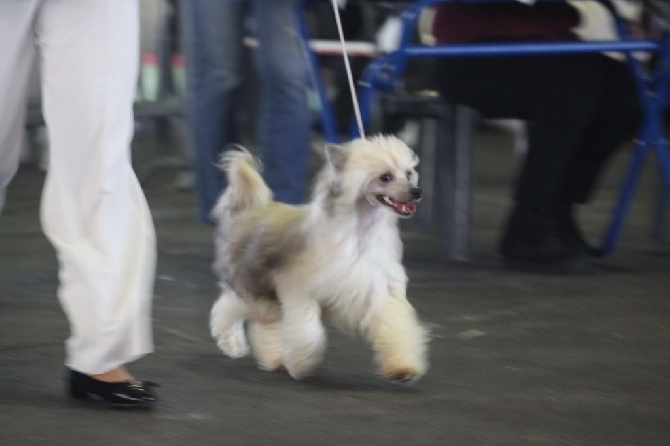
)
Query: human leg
[
  {"x": 616, "y": 118},
  {"x": 16, "y": 53},
  {"x": 213, "y": 31},
  {"x": 93, "y": 209},
  {"x": 284, "y": 118}
]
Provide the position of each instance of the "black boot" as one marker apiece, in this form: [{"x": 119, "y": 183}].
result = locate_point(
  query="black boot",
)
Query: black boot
[
  {"x": 570, "y": 232},
  {"x": 533, "y": 241}
]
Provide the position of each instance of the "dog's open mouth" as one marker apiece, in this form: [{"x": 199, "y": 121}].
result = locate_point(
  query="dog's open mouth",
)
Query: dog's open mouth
[{"x": 401, "y": 208}]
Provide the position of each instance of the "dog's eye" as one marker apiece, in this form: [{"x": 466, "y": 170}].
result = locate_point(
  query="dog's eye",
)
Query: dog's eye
[
  {"x": 386, "y": 178},
  {"x": 409, "y": 174}
]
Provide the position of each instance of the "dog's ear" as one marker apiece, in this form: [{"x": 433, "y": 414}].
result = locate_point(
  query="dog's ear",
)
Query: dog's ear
[{"x": 336, "y": 156}]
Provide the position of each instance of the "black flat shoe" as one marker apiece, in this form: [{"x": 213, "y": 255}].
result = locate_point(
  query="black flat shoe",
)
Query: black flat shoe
[{"x": 122, "y": 395}]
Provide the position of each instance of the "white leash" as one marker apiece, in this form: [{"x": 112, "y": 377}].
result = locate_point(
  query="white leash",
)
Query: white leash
[{"x": 350, "y": 78}]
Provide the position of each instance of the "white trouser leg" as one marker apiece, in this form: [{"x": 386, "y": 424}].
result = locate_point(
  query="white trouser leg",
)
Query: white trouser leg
[
  {"x": 17, "y": 52},
  {"x": 93, "y": 209}
]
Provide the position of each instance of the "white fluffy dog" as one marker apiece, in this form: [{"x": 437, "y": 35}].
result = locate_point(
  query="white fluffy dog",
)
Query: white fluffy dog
[{"x": 285, "y": 268}]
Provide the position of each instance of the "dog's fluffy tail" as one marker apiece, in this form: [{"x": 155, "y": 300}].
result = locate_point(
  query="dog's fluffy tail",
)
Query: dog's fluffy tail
[{"x": 246, "y": 188}]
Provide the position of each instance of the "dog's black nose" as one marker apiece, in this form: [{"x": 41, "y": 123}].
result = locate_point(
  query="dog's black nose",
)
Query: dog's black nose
[{"x": 416, "y": 193}]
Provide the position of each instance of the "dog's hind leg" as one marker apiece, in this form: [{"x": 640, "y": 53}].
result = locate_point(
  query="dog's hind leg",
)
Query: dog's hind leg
[
  {"x": 227, "y": 324},
  {"x": 303, "y": 334},
  {"x": 265, "y": 338},
  {"x": 265, "y": 335},
  {"x": 399, "y": 341}
]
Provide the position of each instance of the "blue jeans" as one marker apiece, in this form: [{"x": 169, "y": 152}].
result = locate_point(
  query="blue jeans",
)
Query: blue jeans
[{"x": 213, "y": 31}]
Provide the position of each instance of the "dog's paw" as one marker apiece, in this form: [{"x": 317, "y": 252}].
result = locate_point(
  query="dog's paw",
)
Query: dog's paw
[
  {"x": 233, "y": 343},
  {"x": 276, "y": 366},
  {"x": 232, "y": 349},
  {"x": 403, "y": 375},
  {"x": 303, "y": 369},
  {"x": 300, "y": 374}
]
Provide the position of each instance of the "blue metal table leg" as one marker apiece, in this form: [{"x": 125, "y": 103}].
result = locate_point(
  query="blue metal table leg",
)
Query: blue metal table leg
[
  {"x": 663, "y": 152},
  {"x": 625, "y": 196},
  {"x": 659, "y": 228},
  {"x": 652, "y": 137},
  {"x": 368, "y": 85}
]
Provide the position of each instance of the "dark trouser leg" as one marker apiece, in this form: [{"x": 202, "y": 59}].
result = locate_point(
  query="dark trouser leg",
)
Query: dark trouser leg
[
  {"x": 213, "y": 32},
  {"x": 617, "y": 118}
]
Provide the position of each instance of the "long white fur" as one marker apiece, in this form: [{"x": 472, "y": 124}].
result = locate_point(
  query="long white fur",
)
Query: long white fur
[{"x": 337, "y": 258}]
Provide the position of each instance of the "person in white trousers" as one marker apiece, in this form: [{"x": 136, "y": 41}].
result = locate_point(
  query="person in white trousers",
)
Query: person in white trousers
[{"x": 92, "y": 210}]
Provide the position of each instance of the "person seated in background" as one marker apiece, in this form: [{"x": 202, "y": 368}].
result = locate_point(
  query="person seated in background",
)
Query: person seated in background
[{"x": 579, "y": 109}]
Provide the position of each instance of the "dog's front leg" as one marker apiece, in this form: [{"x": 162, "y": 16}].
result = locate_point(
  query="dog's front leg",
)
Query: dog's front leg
[
  {"x": 303, "y": 333},
  {"x": 399, "y": 340},
  {"x": 265, "y": 334}
]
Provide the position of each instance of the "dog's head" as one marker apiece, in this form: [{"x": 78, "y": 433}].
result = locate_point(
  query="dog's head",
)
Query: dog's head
[{"x": 379, "y": 171}]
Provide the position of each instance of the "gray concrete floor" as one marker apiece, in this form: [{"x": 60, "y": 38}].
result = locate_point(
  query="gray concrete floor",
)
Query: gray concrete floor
[{"x": 517, "y": 359}]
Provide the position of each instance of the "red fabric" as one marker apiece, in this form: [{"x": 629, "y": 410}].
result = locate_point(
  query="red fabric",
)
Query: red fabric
[{"x": 462, "y": 23}]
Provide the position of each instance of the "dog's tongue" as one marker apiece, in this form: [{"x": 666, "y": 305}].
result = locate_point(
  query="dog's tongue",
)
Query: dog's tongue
[{"x": 405, "y": 208}]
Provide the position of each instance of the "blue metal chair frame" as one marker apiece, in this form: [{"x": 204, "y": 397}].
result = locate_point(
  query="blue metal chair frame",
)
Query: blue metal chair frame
[{"x": 383, "y": 74}]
